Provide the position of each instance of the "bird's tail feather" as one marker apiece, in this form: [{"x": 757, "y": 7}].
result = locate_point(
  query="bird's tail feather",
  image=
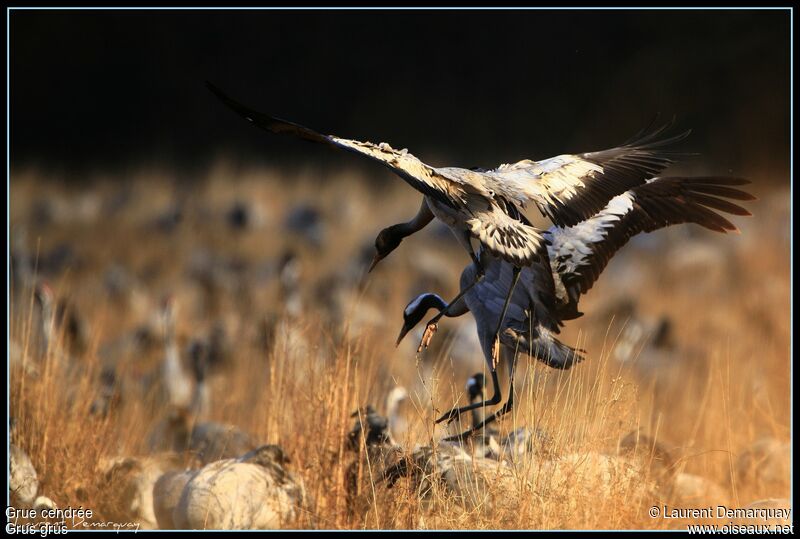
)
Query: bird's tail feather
[{"x": 544, "y": 347}]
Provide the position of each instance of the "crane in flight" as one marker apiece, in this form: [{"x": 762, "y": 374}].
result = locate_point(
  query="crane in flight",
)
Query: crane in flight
[
  {"x": 487, "y": 204},
  {"x": 549, "y": 294}
]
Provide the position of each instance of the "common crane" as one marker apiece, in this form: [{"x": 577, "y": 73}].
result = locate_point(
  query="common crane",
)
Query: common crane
[
  {"x": 186, "y": 427},
  {"x": 374, "y": 449},
  {"x": 23, "y": 482},
  {"x": 487, "y": 204},
  {"x": 397, "y": 424},
  {"x": 254, "y": 491},
  {"x": 177, "y": 383},
  {"x": 485, "y": 300},
  {"x": 579, "y": 254},
  {"x": 125, "y": 486}
]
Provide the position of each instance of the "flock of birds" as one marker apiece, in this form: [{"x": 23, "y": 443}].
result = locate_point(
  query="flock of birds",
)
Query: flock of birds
[
  {"x": 521, "y": 285},
  {"x": 231, "y": 482}
]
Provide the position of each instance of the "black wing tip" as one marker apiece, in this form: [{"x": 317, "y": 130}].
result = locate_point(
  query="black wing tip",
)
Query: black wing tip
[
  {"x": 266, "y": 121},
  {"x": 738, "y": 194},
  {"x": 716, "y": 186},
  {"x": 653, "y": 141},
  {"x": 704, "y": 200},
  {"x": 214, "y": 89},
  {"x": 234, "y": 105},
  {"x": 719, "y": 180},
  {"x": 648, "y": 137}
]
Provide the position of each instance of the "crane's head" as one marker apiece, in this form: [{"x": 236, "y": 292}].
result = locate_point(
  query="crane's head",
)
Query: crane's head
[
  {"x": 44, "y": 294},
  {"x": 387, "y": 241},
  {"x": 373, "y": 426},
  {"x": 166, "y": 308},
  {"x": 397, "y": 395},
  {"x": 475, "y": 386},
  {"x": 266, "y": 455},
  {"x": 415, "y": 311},
  {"x": 198, "y": 353}
]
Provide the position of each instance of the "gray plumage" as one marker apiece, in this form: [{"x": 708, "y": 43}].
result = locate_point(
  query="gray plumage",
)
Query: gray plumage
[
  {"x": 546, "y": 295},
  {"x": 167, "y": 493},
  {"x": 23, "y": 483},
  {"x": 212, "y": 441},
  {"x": 253, "y": 491},
  {"x": 370, "y": 441},
  {"x": 530, "y": 316}
]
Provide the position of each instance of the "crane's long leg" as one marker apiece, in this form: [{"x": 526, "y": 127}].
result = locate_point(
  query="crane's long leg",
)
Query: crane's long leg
[
  {"x": 501, "y": 412},
  {"x": 496, "y": 345},
  {"x": 453, "y": 414}
]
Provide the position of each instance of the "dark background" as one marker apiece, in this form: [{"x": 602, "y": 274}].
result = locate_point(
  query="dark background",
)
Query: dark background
[{"x": 114, "y": 89}]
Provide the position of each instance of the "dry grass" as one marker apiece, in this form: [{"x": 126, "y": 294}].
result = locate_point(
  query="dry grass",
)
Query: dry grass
[{"x": 728, "y": 387}]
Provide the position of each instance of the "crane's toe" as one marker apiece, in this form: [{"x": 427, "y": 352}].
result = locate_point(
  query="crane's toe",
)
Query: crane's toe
[
  {"x": 462, "y": 437},
  {"x": 450, "y": 416},
  {"x": 495, "y": 352},
  {"x": 430, "y": 330}
]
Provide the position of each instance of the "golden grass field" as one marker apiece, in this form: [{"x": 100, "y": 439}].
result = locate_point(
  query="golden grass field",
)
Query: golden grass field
[{"x": 725, "y": 386}]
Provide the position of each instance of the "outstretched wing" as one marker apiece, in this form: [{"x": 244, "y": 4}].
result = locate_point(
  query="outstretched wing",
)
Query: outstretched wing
[
  {"x": 571, "y": 188},
  {"x": 420, "y": 176},
  {"x": 581, "y": 252},
  {"x": 498, "y": 227}
]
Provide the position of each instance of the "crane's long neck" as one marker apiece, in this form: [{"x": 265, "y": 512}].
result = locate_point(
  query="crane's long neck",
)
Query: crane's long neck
[
  {"x": 393, "y": 412},
  {"x": 175, "y": 379},
  {"x": 420, "y": 220},
  {"x": 48, "y": 324},
  {"x": 172, "y": 365},
  {"x": 432, "y": 301},
  {"x": 477, "y": 415},
  {"x": 201, "y": 401}
]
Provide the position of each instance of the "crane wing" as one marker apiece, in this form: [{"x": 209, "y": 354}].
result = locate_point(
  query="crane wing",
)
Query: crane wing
[
  {"x": 581, "y": 252},
  {"x": 420, "y": 176},
  {"x": 571, "y": 188},
  {"x": 510, "y": 237},
  {"x": 463, "y": 190}
]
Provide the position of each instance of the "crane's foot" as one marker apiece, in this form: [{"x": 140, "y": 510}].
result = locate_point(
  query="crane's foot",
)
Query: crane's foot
[
  {"x": 430, "y": 330},
  {"x": 450, "y": 416},
  {"x": 480, "y": 426},
  {"x": 464, "y": 436}
]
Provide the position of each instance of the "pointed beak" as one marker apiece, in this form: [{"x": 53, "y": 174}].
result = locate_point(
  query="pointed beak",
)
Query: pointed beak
[
  {"x": 375, "y": 261},
  {"x": 403, "y": 332}
]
